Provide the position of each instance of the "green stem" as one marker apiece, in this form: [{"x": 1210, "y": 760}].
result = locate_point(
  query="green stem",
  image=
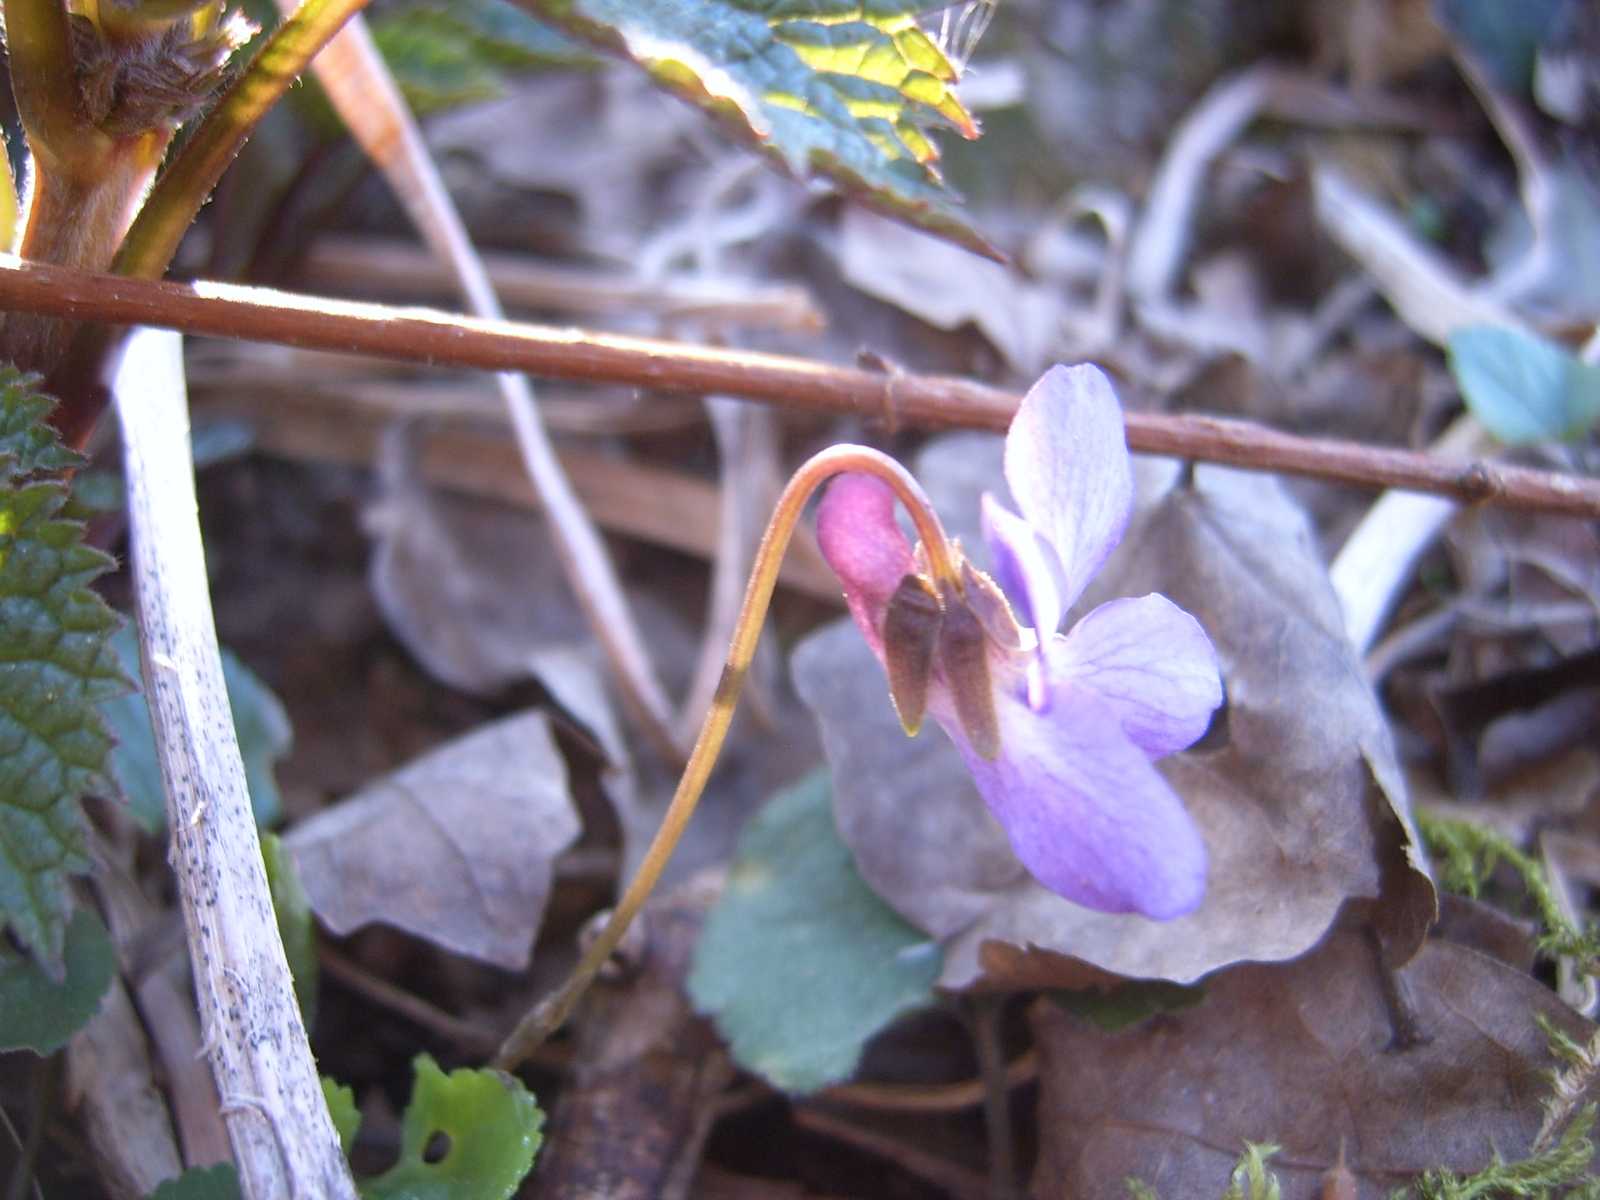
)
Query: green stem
[
  {"x": 44, "y": 82},
  {"x": 188, "y": 180},
  {"x": 551, "y": 1013}
]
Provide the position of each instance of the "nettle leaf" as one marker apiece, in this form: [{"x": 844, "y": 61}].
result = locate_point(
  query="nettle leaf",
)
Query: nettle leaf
[
  {"x": 846, "y": 90},
  {"x": 220, "y": 1182},
  {"x": 1524, "y": 389},
  {"x": 56, "y": 668},
  {"x": 260, "y": 722},
  {"x": 292, "y": 907},
  {"x": 800, "y": 962},
  {"x": 341, "y": 1101},
  {"x": 448, "y": 54},
  {"x": 489, "y": 1125},
  {"x": 39, "y": 1013}
]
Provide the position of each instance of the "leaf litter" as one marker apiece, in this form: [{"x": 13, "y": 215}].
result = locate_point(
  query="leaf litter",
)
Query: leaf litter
[{"x": 1285, "y": 1038}]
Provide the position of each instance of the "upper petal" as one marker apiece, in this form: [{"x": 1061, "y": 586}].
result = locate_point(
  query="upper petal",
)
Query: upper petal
[
  {"x": 1151, "y": 663},
  {"x": 865, "y": 546},
  {"x": 1025, "y": 566},
  {"x": 1067, "y": 463},
  {"x": 1085, "y": 811}
]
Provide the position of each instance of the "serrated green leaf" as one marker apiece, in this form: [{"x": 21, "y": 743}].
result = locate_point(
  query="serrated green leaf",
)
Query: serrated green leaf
[
  {"x": 220, "y": 1182},
  {"x": 293, "y": 909},
  {"x": 28, "y": 446},
  {"x": 800, "y": 961},
  {"x": 259, "y": 721},
  {"x": 845, "y": 90},
  {"x": 489, "y": 1124},
  {"x": 39, "y": 1013},
  {"x": 342, "y": 1108},
  {"x": 1523, "y": 389},
  {"x": 56, "y": 668}
]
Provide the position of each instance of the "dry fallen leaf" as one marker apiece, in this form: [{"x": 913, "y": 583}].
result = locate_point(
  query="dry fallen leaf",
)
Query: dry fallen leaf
[
  {"x": 456, "y": 847},
  {"x": 1298, "y": 807},
  {"x": 948, "y": 287},
  {"x": 1300, "y": 1055}
]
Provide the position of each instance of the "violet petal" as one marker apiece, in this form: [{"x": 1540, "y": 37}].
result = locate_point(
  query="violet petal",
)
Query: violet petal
[
  {"x": 1025, "y": 566},
  {"x": 1067, "y": 463},
  {"x": 1151, "y": 663},
  {"x": 865, "y": 546},
  {"x": 1085, "y": 811}
]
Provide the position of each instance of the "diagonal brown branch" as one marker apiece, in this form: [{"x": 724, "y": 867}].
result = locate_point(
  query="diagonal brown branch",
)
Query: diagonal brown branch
[{"x": 421, "y": 335}]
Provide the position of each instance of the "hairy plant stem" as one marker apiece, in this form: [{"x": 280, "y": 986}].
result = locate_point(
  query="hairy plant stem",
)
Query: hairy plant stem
[
  {"x": 416, "y": 335},
  {"x": 151, "y": 239},
  {"x": 39, "y": 47},
  {"x": 551, "y": 1013},
  {"x": 84, "y": 183},
  {"x": 77, "y": 218},
  {"x": 193, "y": 173}
]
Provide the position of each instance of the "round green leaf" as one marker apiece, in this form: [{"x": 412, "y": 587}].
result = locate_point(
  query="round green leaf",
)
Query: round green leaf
[
  {"x": 41, "y": 1013},
  {"x": 489, "y": 1125},
  {"x": 801, "y": 962},
  {"x": 1523, "y": 389},
  {"x": 220, "y": 1182}
]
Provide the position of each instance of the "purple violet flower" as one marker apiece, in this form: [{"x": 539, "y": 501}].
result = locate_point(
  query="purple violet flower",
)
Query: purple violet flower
[{"x": 1058, "y": 730}]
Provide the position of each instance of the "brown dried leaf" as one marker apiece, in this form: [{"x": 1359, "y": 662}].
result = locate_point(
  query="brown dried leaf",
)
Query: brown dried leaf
[
  {"x": 1298, "y": 809},
  {"x": 1300, "y": 1055},
  {"x": 456, "y": 847},
  {"x": 948, "y": 287}
]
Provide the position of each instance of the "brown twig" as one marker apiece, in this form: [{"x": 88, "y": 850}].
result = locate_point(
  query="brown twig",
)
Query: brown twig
[
  {"x": 387, "y": 269},
  {"x": 930, "y": 1098},
  {"x": 474, "y": 1039},
  {"x": 420, "y": 335},
  {"x": 959, "y": 1181}
]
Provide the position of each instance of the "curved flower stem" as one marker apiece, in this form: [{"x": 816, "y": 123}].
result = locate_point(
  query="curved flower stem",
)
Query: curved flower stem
[
  {"x": 184, "y": 185},
  {"x": 549, "y": 1014}
]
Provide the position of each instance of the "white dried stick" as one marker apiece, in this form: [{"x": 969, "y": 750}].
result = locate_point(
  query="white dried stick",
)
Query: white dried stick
[{"x": 282, "y": 1136}]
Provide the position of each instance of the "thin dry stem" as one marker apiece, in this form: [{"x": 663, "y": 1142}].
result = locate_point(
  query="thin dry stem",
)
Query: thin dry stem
[
  {"x": 551, "y": 1013},
  {"x": 417, "y": 335},
  {"x": 364, "y": 92}
]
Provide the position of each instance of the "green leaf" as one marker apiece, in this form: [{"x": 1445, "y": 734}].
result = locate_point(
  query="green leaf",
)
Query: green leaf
[
  {"x": 220, "y": 1182},
  {"x": 1250, "y": 1179},
  {"x": 1129, "y": 1003},
  {"x": 846, "y": 90},
  {"x": 28, "y": 446},
  {"x": 489, "y": 1125},
  {"x": 56, "y": 668},
  {"x": 259, "y": 722},
  {"x": 1505, "y": 36},
  {"x": 39, "y": 1013},
  {"x": 1523, "y": 389},
  {"x": 292, "y": 907},
  {"x": 800, "y": 961},
  {"x": 342, "y": 1108},
  {"x": 448, "y": 54}
]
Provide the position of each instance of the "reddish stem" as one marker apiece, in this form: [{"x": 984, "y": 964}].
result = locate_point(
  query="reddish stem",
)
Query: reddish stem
[{"x": 418, "y": 335}]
